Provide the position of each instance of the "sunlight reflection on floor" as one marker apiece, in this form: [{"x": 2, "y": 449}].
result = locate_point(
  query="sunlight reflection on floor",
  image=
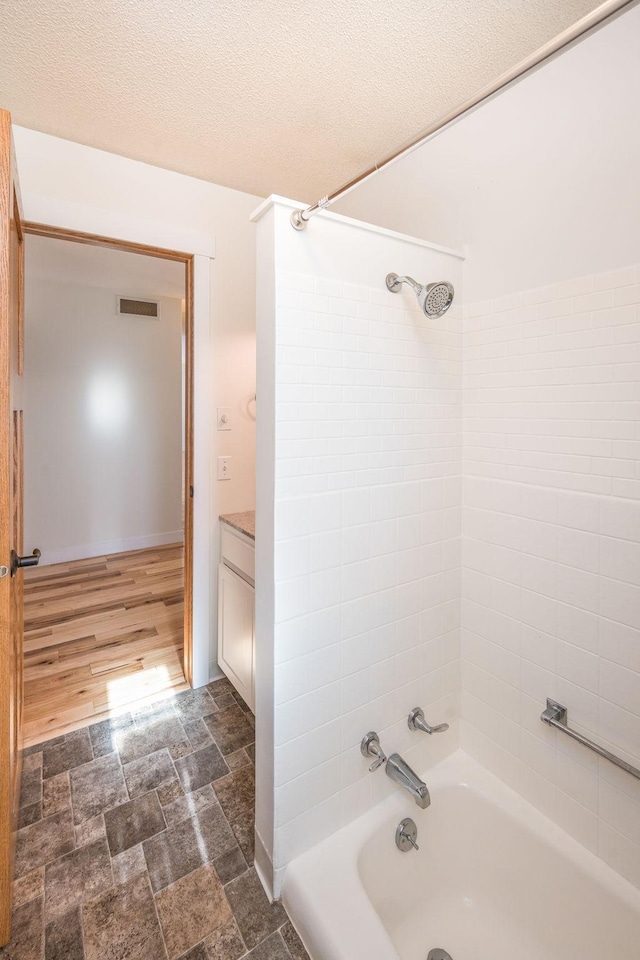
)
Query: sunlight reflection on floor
[{"x": 141, "y": 688}]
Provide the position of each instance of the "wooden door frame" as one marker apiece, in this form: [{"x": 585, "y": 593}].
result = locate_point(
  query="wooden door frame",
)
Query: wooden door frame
[
  {"x": 96, "y": 240},
  {"x": 11, "y": 665}
]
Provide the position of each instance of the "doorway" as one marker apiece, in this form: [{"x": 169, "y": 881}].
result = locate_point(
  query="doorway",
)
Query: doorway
[{"x": 108, "y": 478}]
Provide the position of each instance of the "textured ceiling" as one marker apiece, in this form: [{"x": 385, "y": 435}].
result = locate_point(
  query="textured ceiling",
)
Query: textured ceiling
[{"x": 267, "y": 96}]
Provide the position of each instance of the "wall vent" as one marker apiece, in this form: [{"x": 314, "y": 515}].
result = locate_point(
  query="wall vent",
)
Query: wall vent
[{"x": 137, "y": 307}]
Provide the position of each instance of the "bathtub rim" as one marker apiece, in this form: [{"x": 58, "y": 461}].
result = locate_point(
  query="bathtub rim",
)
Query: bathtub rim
[{"x": 312, "y": 894}]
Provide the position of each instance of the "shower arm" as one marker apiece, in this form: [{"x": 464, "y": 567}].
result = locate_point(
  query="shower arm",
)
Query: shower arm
[
  {"x": 418, "y": 287},
  {"x": 581, "y": 28}
]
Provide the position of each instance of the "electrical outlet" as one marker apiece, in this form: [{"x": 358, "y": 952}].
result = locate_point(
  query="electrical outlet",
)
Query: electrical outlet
[
  {"x": 224, "y": 418},
  {"x": 224, "y": 468}
]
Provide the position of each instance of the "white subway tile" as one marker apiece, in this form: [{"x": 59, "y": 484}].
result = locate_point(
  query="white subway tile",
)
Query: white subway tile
[
  {"x": 577, "y": 820},
  {"x": 578, "y": 549},
  {"x": 620, "y": 601},
  {"x": 581, "y": 512},
  {"x": 577, "y": 626},
  {"x": 624, "y": 277},
  {"x": 620, "y": 811},
  {"x": 621, "y": 729},
  {"x": 537, "y": 790},
  {"x": 620, "y": 686},
  {"x": 577, "y": 587},
  {"x": 620, "y": 559},
  {"x": 619, "y": 852},
  {"x": 578, "y": 666},
  {"x": 620, "y": 643},
  {"x": 530, "y": 420}
]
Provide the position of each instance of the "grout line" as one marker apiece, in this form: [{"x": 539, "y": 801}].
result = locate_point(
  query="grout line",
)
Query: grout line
[{"x": 155, "y": 909}]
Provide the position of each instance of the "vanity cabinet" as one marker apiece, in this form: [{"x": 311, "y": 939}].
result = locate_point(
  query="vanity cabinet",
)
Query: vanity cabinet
[{"x": 236, "y": 610}]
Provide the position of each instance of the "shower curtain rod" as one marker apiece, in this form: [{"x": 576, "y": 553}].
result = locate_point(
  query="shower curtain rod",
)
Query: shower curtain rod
[{"x": 597, "y": 17}]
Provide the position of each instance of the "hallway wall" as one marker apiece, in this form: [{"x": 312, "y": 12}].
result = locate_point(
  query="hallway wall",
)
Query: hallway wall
[{"x": 103, "y": 410}]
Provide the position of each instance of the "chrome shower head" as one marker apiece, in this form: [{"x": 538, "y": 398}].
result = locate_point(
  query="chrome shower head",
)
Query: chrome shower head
[{"x": 434, "y": 298}]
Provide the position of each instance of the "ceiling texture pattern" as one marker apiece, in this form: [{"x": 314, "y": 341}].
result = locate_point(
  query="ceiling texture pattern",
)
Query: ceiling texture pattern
[{"x": 266, "y": 96}]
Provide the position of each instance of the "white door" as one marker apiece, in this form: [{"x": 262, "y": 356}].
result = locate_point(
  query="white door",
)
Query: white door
[{"x": 236, "y": 602}]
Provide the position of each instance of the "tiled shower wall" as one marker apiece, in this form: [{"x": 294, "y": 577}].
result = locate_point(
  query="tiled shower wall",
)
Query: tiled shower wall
[
  {"x": 367, "y": 542},
  {"x": 551, "y": 549},
  {"x": 372, "y": 436},
  {"x": 366, "y": 526}
]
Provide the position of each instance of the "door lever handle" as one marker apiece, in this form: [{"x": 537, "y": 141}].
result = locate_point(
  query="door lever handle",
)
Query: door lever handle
[{"x": 18, "y": 562}]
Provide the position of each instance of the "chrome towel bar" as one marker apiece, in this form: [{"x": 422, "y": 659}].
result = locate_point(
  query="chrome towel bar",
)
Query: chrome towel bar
[{"x": 556, "y": 716}]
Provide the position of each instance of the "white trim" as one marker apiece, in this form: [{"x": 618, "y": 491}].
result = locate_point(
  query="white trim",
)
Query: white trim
[
  {"x": 118, "y": 226},
  {"x": 106, "y": 547},
  {"x": 66, "y": 214},
  {"x": 263, "y": 866},
  {"x": 215, "y": 673},
  {"x": 204, "y": 566},
  {"x": 275, "y": 200}
]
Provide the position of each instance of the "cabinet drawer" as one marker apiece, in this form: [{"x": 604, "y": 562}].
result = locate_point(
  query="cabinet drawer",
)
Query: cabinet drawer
[{"x": 237, "y": 552}]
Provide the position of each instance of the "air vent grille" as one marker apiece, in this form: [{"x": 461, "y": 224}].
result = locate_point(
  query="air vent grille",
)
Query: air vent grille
[{"x": 134, "y": 307}]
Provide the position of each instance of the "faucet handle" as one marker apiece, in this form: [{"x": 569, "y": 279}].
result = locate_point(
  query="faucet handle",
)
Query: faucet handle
[
  {"x": 416, "y": 721},
  {"x": 370, "y": 747}
]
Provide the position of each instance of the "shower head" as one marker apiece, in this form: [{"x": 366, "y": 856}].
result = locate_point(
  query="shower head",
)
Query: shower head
[{"x": 434, "y": 298}]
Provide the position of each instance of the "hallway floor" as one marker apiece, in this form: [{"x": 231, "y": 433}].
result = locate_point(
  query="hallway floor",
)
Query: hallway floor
[
  {"x": 100, "y": 634},
  {"x": 136, "y": 840}
]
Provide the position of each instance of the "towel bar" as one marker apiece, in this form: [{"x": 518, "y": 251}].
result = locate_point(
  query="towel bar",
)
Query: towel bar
[{"x": 556, "y": 716}]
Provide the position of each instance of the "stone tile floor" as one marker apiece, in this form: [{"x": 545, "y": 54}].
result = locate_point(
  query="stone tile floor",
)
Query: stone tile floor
[{"x": 135, "y": 841}]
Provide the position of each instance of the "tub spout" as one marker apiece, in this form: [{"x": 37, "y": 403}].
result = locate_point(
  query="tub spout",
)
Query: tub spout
[{"x": 400, "y": 771}]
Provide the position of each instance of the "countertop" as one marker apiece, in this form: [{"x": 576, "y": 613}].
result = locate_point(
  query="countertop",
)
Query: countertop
[{"x": 244, "y": 522}]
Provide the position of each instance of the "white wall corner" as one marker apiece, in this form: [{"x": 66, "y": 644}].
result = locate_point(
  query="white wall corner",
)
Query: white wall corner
[{"x": 264, "y": 593}]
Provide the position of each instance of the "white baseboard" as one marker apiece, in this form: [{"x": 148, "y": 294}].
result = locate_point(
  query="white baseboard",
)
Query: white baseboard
[
  {"x": 215, "y": 673},
  {"x": 263, "y": 867},
  {"x": 107, "y": 547}
]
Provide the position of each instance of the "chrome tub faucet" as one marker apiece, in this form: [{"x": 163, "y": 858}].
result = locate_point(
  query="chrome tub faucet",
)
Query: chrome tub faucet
[
  {"x": 400, "y": 771},
  {"x": 396, "y": 768}
]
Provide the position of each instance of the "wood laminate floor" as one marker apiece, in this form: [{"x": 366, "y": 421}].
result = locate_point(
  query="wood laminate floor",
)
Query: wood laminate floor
[{"x": 100, "y": 635}]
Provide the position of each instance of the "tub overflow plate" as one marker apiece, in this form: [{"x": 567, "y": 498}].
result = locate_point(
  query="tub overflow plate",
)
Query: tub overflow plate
[
  {"x": 406, "y": 837},
  {"x": 438, "y": 954}
]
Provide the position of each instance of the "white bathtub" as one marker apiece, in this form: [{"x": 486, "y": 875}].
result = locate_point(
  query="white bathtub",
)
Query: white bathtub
[{"x": 493, "y": 880}]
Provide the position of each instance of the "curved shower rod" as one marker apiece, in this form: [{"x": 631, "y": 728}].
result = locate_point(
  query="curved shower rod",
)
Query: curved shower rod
[{"x": 606, "y": 11}]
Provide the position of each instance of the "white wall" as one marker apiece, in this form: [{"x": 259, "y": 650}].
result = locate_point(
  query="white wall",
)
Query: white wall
[
  {"x": 357, "y": 523},
  {"x": 103, "y": 404},
  {"x": 542, "y": 187},
  {"x": 541, "y": 184},
  {"x": 66, "y": 184},
  {"x": 56, "y": 175}
]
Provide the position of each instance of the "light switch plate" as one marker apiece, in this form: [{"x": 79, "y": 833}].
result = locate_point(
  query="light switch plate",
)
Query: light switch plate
[
  {"x": 224, "y": 418},
  {"x": 224, "y": 468}
]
